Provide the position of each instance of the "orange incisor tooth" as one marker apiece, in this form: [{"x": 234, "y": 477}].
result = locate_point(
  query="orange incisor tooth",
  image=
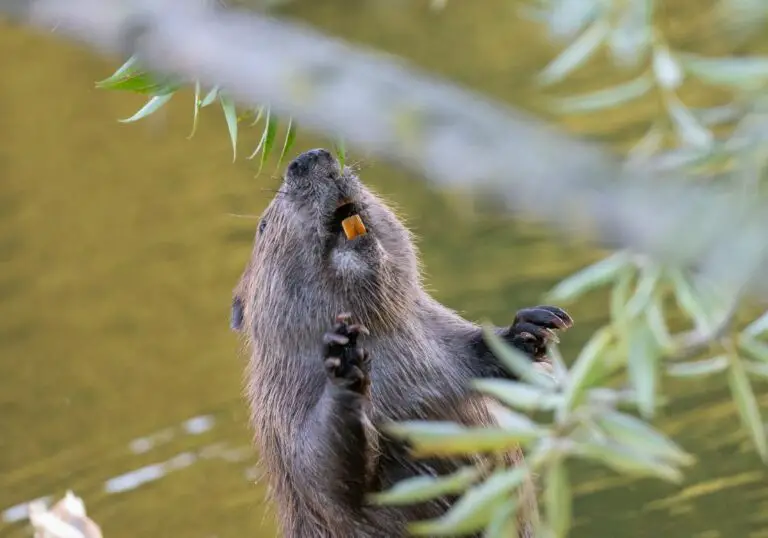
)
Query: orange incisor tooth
[{"x": 353, "y": 226}]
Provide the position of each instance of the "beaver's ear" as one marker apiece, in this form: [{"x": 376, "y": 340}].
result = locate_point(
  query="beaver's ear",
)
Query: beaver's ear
[{"x": 236, "y": 315}]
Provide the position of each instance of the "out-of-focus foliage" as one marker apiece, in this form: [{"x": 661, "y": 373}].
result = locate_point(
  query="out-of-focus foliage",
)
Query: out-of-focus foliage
[
  {"x": 681, "y": 137},
  {"x": 589, "y": 418},
  {"x": 637, "y": 343},
  {"x": 587, "y": 423}
]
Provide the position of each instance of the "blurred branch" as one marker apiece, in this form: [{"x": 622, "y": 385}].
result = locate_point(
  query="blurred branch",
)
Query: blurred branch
[{"x": 452, "y": 136}]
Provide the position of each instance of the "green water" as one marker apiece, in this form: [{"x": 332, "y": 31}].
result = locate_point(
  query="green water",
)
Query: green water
[{"x": 119, "y": 246}]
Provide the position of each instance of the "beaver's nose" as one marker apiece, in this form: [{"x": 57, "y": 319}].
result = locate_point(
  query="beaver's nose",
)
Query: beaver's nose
[{"x": 304, "y": 162}]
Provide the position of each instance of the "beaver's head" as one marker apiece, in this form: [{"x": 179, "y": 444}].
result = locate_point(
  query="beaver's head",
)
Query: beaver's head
[{"x": 326, "y": 244}]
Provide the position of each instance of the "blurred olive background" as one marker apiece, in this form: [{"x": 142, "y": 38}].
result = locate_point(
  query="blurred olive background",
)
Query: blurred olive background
[{"x": 120, "y": 244}]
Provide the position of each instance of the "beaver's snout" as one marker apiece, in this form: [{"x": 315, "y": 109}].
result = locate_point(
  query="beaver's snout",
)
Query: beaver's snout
[
  {"x": 302, "y": 164},
  {"x": 315, "y": 180}
]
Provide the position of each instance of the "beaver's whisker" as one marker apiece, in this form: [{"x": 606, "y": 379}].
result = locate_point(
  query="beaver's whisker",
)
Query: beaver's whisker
[
  {"x": 275, "y": 191},
  {"x": 243, "y": 216}
]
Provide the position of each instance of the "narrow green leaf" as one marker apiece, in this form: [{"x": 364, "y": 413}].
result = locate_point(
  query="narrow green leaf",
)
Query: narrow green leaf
[
  {"x": 607, "y": 98},
  {"x": 440, "y": 438},
  {"x": 503, "y": 523},
  {"x": 559, "y": 369},
  {"x": 646, "y": 286},
  {"x": 687, "y": 126},
  {"x": 716, "y": 300},
  {"x": 263, "y": 135},
  {"x": 666, "y": 68},
  {"x": 705, "y": 367},
  {"x": 153, "y": 105},
  {"x": 740, "y": 72},
  {"x": 515, "y": 361},
  {"x": 759, "y": 369},
  {"x": 631, "y": 34},
  {"x": 600, "y": 273},
  {"x": 270, "y": 133},
  {"x": 167, "y": 88},
  {"x": 643, "y": 367},
  {"x": 541, "y": 453},
  {"x": 341, "y": 151},
  {"x": 587, "y": 366},
  {"x": 567, "y": 17},
  {"x": 210, "y": 97},
  {"x": 687, "y": 300},
  {"x": 681, "y": 156},
  {"x": 718, "y": 115},
  {"x": 259, "y": 115},
  {"x": 603, "y": 396},
  {"x": 138, "y": 82},
  {"x": 558, "y": 500},
  {"x": 641, "y": 437},
  {"x": 511, "y": 420},
  {"x": 520, "y": 395},
  {"x": 654, "y": 316},
  {"x": 476, "y": 507},
  {"x": 757, "y": 327},
  {"x": 757, "y": 350},
  {"x": 648, "y": 145},
  {"x": 424, "y": 488},
  {"x": 746, "y": 403},
  {"x": 135, "y": 82},
  {"x": 290, "y": 138},
  {"x": 576, "y": 54},
  {"x": 230, "y": 114},
  {"x": 125, "y": 70},
  {"x": 196, "y": 112},
  {"x": 623, "y": 460},
  {"x": 620, "y": 297},
  {"x": 128, "y": 67},
  {"x": 741, "y": 19},
  {"x": 267, "y": 137}
]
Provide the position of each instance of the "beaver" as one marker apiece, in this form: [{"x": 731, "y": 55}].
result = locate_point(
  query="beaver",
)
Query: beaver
[{"x": 343, "y": 338}]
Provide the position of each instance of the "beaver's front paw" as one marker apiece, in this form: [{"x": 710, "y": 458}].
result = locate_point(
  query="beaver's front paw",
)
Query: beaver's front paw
[
  {"x": 345, "y": 360},
  {"x": 535, "y": 327}
]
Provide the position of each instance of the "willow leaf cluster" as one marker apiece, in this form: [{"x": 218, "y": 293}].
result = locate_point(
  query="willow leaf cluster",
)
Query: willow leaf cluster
[{"x": 131, "y": 77}]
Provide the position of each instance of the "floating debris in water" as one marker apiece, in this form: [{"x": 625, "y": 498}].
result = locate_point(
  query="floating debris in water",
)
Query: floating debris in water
[
  {"x": 148, "y": 473},
  {"x": 145, "y": 444},
  {"x": 20, "y": 512},
  {"x": 57, "y": 522},
  {"x": 199, "y": 424},
  {"x": 66, "y": 519},
  {"x": 192, "y": 426}
]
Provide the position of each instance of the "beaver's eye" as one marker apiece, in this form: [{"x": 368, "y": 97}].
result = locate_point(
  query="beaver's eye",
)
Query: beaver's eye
[{"x": 262, "y": 225}]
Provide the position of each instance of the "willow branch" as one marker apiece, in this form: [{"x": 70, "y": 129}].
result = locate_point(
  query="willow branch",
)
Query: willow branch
[{"x": 453, "y": 137}]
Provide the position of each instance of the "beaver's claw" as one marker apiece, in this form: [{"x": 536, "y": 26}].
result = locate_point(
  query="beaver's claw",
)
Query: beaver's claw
[
  {"x": 534, "y": 328},
  {"x": 346, "y": 362}
]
